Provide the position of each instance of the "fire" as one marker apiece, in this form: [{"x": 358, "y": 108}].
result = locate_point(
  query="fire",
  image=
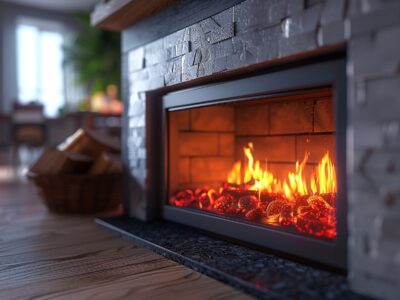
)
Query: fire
[
  {"x": 321, "y": 181},
  {"x": 253, "y": 192}
]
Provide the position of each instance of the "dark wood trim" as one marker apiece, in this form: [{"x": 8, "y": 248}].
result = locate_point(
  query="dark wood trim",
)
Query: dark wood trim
[{"x": 117, "y": 15}]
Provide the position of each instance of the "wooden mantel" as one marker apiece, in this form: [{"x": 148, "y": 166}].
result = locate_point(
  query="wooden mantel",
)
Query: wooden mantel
[{"x": 117, "y": 15}]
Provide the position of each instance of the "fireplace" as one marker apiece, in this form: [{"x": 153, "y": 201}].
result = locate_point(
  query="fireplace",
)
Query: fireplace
[
  {"x": 228, "y": 64},
  {"x": 261, "y": 160}
]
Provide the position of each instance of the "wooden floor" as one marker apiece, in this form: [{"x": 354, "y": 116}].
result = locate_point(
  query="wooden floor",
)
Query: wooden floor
[{"x": 44, "y": 256}]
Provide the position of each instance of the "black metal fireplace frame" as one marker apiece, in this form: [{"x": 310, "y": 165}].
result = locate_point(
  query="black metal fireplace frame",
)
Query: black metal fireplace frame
[{"x": 329, "y": 73}]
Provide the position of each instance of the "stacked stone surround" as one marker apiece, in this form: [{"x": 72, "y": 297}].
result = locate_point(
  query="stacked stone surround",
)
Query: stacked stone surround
[{"x": 258, "y": 31}]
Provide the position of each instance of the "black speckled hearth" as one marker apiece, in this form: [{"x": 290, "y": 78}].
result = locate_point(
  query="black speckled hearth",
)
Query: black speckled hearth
[{"x": 259, "y": 274}]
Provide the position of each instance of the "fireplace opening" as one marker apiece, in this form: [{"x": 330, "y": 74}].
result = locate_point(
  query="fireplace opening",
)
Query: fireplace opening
[
  {"x": 269, "y": 161},
  {"x": 261, "y": 160}
]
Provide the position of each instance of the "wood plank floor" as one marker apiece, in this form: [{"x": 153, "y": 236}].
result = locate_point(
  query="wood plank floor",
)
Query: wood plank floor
[{"x": 45, "y": 256}]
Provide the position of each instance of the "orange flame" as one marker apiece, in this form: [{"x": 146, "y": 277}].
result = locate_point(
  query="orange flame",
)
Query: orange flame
[
  {"x": 306, "y": 203},
  {"x": 323, "y": 179}
]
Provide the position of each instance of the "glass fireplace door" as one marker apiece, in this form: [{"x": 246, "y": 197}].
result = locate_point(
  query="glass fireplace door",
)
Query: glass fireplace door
[
  {"x": 262, "y": 160},
  {"x": 268, "y": 161}
]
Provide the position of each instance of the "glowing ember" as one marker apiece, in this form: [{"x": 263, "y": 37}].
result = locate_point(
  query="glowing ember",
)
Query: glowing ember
[{"x": 254, "y": 193}]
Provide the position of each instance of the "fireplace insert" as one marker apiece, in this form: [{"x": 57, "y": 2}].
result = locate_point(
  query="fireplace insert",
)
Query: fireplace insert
[{"x": 261, "y": 160}]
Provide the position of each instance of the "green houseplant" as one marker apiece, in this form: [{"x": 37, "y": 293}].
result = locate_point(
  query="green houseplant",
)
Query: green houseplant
[{"x": 95, "y": 55}]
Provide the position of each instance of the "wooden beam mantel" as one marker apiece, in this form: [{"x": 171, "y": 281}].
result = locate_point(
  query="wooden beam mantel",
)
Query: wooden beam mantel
[{"x": 117, "y": 15}]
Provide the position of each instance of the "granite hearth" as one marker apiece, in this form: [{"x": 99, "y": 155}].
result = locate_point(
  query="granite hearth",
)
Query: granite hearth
[{"x": 262, "y": 275}]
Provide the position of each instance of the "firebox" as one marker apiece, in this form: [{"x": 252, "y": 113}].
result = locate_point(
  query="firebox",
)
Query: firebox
[{"x": 261, "y": 160}]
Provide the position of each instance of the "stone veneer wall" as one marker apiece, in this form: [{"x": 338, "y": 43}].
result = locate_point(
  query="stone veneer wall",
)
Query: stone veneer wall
[{"x": 256, "y": 31}]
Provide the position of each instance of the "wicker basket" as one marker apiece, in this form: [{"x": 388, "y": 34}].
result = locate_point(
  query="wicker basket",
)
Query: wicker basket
[{"x": 79, "y": 193}]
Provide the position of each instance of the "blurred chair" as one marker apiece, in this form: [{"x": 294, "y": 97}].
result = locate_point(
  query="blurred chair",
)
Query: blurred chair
[
  {"x": 28, "y": 127},
  {"x": 5, "y": 129}
]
